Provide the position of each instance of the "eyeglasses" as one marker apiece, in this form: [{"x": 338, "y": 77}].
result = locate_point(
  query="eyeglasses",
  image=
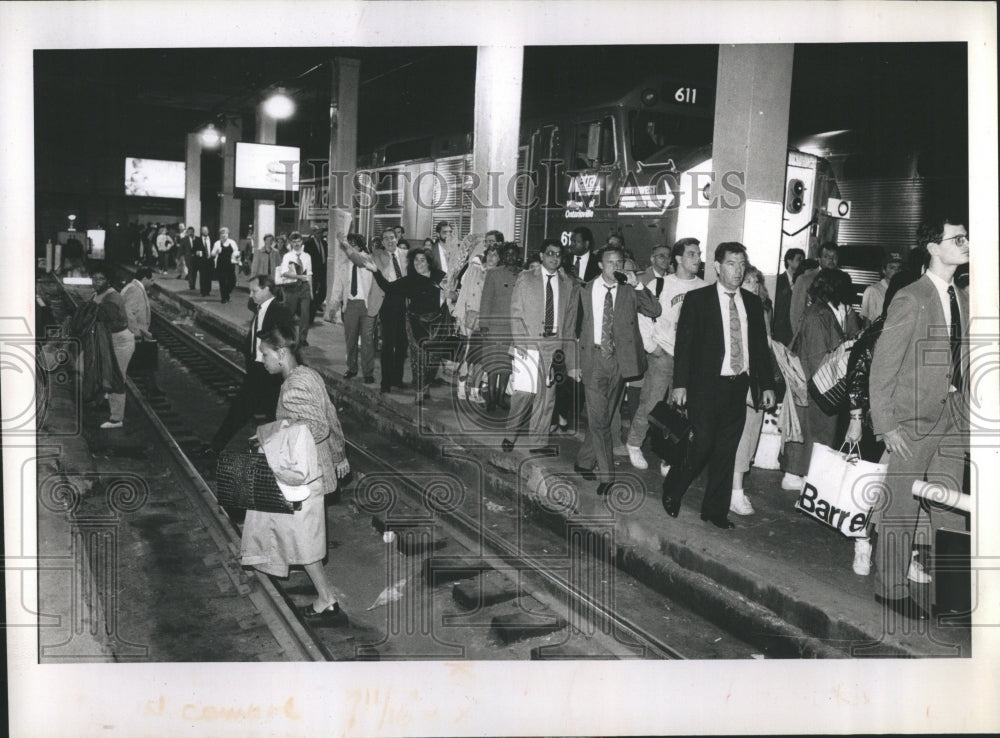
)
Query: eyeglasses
[
  {"x": 551, "y": 253},
  {"x": 960, "y": 240}
]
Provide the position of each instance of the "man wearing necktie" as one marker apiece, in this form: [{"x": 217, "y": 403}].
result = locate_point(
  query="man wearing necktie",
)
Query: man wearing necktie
[
  {"x": 390, "y": 309},
  {"x": 720, "y": 351},
  {"x": 919, "y": 404},
  {"x": 611, "y": 351},
  {"x": 296, "y": 272},
  {"x": 351, "y": 287},
  {"x": 202, "y": 250},
  {"x": 658, "y": 333},
  {"x": 543, "y": 312}
]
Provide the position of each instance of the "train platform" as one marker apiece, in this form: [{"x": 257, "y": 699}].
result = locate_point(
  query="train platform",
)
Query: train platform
[{"x": 778, "y": 573}]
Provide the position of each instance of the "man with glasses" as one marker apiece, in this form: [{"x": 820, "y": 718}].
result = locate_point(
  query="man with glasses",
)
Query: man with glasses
[
  {"x": 543, "y": 314},
  {"x": 919, "y": 404},
  {"x": 658, "y": 333},
  {"x": 611, "y": 351}
]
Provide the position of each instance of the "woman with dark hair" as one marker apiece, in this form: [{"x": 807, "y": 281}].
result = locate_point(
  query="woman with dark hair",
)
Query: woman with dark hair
[
  {"x": 494, "y": 321},
  {"x": 427, "y": 315},
  {"x": 272, "y": 542},
  {"x": 822, "y": 329},
  {"x": 859, "y": 429}
]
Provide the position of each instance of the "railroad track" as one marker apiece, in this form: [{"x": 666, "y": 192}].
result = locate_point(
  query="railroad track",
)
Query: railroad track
[{"x": 448, "y": 572}]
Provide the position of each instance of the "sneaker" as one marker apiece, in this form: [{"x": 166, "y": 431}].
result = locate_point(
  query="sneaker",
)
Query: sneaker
[
  {"x": 636, "y": 457},
  {"x": 739, "y": 503},
  {"x": 792, "y": 481},
  {"x": 862, "y": 556},
  {"x": 107, "y": 424},
  {"x": 664, "y": 469},
  {"x": 916, "y": 572}
]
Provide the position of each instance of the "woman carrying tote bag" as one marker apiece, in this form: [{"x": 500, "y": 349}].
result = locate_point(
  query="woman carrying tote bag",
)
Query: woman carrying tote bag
[{"x": 273, "y": 542}]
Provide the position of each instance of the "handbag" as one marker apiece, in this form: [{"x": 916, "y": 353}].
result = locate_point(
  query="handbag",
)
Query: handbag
[
  {"x": 244, "y": 480},
  {"x": 670, "y": 433},
  {"x": 146, "y": 357},
  {"x": 828, "y": 386},
  {"x": 841, "y": 489}
]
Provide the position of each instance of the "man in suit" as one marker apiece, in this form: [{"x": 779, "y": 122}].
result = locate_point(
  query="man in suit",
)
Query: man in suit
[
  {"x": 202, "y": 262},
  {"x": 919, "y": 402},
  {"x": 800, "y": 290},
  {"x": 316, "y": 247},
  {"x": 446, "y": 253},
  {"x": 390, "y": 309},
  {"x": 543, "y": 317},
  {"x": 259, "y": 393},
  {"x": 781, "y": 322},
  {"x": 721, "y": 351},
  {"x": 351, "y": 289},
  {"x": 295, "y": 278},
  {"x": 611, "y": 351},
  {"x": 584, "y": 263}
]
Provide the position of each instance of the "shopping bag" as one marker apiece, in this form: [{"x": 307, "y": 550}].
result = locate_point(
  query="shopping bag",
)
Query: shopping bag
[
  {"x": 670, "y": 433},
  {"x": 840, "y": 489},
  {"x": 524, "y": 369},
  {"x": 145, "y": 358}
]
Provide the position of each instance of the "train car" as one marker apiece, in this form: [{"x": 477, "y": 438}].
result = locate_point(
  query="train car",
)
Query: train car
[{"x": 639, "y": 166}]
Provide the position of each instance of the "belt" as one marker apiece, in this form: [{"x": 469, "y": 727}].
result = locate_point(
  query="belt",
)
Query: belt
[{"x": 734, "y": 377}]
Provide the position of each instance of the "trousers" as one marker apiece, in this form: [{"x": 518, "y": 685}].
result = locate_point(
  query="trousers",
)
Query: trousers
[{"x": 358, "y": 324}]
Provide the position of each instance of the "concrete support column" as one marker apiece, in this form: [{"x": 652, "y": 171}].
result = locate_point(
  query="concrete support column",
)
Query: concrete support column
[
  {"x": 345, "y": 83},
  {"x": 499, "y": 71},
  {"x": 750, "y": 144},
  {"x": 192, "y": 182},
  {"x": 229, "y": 206},
  {"x": 263, "y": 210}
]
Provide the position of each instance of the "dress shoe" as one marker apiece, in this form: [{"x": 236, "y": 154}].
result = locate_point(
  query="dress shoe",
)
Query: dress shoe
[
  {"x": 350, "y": 375},
  {"x": 329, "y": 617},
  {"x": 603, "y": 488},
  {"x": 507, "y": 446},
  {"x": 369, "y": 379},
  {"x": 403, "y": 385},
  {"x": 724, "y": 523},
  {"x": 672, "y": 506},
  {"x": 904, "y": 606},
  {"x": 587, "y": 474},
  {"x": 539, "y": 450},
  {"x": 385, "y": 390}
]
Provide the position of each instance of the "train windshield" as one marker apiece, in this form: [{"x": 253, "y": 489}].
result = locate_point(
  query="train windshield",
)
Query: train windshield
[{"x": 655, "y": 133}]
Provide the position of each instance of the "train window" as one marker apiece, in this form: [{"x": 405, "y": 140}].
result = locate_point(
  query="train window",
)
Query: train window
[
  {"x": 595, "y": 144},
  {"x": 650, "y": 132}
]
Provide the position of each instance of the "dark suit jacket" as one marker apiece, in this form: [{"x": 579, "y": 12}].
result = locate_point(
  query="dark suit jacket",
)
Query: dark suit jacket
[
  {"x": 911, "y": 369},
  {"x": 277, "y": 314},
  {"x": 781, "y": 324},
  {"x": 700, "y": 346},
  {"x": 186, "y": 245},
  {"x": 629, "y": 350}
]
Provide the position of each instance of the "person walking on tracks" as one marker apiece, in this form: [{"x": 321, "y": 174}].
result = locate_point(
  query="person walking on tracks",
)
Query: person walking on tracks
[{"x": 273, "y": 542}]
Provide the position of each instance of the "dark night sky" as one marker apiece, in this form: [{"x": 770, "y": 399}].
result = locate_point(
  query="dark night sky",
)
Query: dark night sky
[{"x": 94, "y": 107}]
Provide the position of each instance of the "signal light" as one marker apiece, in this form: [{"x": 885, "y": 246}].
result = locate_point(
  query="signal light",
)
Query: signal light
[{"x": 795, "y": 196}]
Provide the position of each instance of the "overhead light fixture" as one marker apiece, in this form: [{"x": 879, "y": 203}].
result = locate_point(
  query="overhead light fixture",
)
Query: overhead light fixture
[
  {"x": 279, "y": 105},
  {"x": 210, "y": 136}
]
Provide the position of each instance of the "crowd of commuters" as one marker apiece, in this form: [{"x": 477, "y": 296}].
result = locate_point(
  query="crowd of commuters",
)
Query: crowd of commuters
[{"x": 580, "y": 326}]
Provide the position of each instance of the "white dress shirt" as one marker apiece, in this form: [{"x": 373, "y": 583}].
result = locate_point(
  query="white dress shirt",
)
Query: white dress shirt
[
  {"x": 290, "y": 258},
  {"x": 597, "y": 295},
  {"x": 555, "y": 298},
  {"x": 364, "y": 283},
  {"x": 942, "y": 289},
  {"x": 261, "y": 310},
  {"x": 580, "y": 263},
  {"x": 741, "y": 310}
]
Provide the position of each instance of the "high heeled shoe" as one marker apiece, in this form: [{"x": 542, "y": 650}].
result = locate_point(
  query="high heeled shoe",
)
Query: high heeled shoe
[{"x": 330, "y": 616}]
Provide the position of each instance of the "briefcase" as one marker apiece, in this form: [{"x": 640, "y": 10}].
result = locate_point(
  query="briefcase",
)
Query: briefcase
[
  {"x": 952, "y": 574},
  {"x": 670, "y": 433},
  {"x": 244, "y": 480},
  {"x": 146, "y": 357}
]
